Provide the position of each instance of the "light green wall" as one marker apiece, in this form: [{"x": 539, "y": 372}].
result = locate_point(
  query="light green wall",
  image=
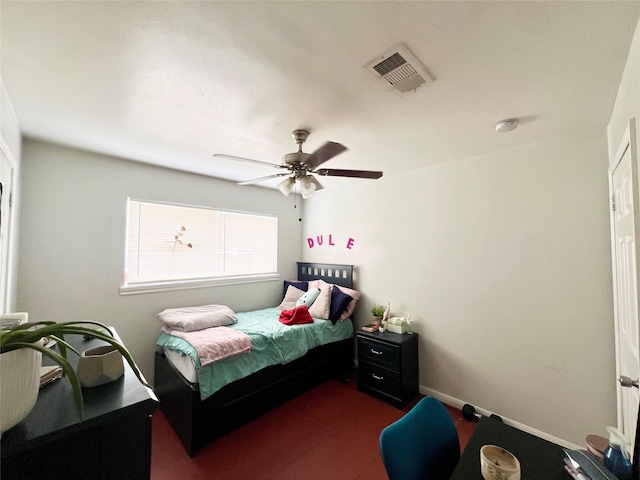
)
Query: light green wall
[{"x": 73, "y": 236}]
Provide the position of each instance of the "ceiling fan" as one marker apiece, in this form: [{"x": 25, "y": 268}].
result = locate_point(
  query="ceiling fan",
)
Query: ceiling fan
[{"x": 302, "y": 166}]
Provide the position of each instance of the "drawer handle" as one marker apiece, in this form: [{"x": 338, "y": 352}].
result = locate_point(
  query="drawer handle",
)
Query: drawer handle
[
  {"x": 377, "y": 377},
  {"x": 376, "y": 352}
]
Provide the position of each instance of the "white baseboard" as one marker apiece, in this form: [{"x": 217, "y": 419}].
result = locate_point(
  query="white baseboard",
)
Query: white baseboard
[{"x": 457, "y": 403}]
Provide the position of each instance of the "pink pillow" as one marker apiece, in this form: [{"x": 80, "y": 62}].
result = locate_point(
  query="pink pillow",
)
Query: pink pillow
[
  {"x": 352, "y": 304},
  {"x": 317, "y": 283},
  {"x": 352, "y": 293}
]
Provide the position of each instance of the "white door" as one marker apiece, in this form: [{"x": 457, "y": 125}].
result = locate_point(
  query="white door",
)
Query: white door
[{"x": 625, "y": 230}]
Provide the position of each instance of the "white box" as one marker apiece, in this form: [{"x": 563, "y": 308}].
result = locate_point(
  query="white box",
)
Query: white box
[{"x": 397, "y": 328}]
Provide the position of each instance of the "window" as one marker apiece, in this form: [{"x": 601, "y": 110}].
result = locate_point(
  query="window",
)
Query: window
[{"x": 174, "y": 246}]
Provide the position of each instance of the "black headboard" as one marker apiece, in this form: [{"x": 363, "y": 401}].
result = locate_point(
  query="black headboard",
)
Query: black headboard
[{"x": 329, "y": 272}]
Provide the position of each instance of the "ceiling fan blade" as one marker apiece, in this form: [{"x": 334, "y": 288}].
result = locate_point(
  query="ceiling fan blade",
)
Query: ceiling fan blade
[
  {"x": 326, "y": 152},
  {"x": 249, "y": 160},
  {"x": 268, "y": 177},
  {"x": 332, "y": 172}
]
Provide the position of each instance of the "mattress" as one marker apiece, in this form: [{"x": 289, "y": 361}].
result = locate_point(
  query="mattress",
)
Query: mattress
[
  {"x": 271, "y": 343},
  {"x": 183, "y": 363}
]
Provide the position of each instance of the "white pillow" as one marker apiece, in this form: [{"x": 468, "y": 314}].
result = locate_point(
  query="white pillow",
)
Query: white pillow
[
  {"x": 290, "y": 298},
  {"x": 308, "y": 298},
  {"x": 189, "y": 319},
  {"x": 322, "y": 305}
]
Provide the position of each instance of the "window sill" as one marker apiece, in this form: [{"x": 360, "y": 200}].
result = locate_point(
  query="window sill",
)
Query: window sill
[{"x": 190, "y": 284}]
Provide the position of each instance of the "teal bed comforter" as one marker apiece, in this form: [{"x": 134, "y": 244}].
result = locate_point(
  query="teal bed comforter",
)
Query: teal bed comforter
[{"x": 271, "y": 343}]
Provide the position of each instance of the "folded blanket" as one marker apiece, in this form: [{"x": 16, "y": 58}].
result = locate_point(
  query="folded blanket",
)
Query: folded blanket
[
  {"x": 189, "y": 319},
  {"x": 214, "y": 343}
]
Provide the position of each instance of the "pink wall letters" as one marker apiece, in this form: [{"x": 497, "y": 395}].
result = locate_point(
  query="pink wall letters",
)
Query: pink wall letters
[{"x": 319, "y": 240}]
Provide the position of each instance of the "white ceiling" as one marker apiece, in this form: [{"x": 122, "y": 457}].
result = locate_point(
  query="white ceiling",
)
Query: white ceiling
[{"x": 171, "y": 83}]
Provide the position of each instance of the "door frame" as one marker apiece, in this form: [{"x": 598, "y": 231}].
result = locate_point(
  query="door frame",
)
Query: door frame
[
  {"x": 627, "y": 142},
  {"x": 7, "y": 251}
]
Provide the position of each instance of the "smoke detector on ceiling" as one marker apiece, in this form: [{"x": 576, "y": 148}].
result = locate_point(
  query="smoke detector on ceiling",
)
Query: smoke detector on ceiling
[
  {"x": 399, "y": 70},
  {"x": 507, "y": 125}
]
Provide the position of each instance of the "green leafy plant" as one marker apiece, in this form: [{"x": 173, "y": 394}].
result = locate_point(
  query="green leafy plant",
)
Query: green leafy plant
[
  {"x": 29, "y": 335},
  {"x": 377, "y": 310}
]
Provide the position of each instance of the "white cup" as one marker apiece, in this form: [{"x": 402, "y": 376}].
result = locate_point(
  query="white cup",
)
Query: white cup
[{"x": 496, "y": 463}]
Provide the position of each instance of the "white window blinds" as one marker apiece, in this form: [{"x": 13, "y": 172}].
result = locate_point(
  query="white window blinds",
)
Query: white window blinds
[{"x": 173, "y": 243}]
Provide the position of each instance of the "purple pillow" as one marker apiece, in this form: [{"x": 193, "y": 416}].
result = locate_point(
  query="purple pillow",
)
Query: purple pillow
[
  {"x": 304, "y": 286},
  {"x": 339, "y": 302}
]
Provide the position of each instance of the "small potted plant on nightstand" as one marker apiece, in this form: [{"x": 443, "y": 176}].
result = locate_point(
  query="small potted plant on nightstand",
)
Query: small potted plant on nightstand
[
  {"x": 377, "y": 311},
  {"x": 21, "y": 350}
]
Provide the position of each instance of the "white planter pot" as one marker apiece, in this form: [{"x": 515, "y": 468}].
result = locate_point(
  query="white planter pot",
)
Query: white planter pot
[
  {"x": 99, "y": 365},
  {"x": 19, "y": 385}
]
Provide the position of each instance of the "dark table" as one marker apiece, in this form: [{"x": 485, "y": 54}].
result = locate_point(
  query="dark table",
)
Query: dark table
[
  {"x": 113, "y": 441},
  {"x": 539, "y": 458}
]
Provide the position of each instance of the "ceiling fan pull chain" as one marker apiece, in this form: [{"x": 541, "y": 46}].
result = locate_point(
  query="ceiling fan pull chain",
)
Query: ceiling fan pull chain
[{"x": 295, "y": 203}]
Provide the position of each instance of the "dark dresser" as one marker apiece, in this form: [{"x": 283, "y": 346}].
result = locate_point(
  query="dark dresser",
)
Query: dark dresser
[
  {"x": 388, "y": 366},
  {"x": 112, "y": 442}
]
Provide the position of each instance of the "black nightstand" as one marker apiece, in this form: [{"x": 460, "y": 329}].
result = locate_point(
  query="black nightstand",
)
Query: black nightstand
[{"x": 388, "y": 366}]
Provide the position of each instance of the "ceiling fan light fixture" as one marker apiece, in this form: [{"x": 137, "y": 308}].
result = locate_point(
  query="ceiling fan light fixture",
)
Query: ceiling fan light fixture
[
  {"x": 307, "y": 186},
  {"x": 286, "y": 186}
]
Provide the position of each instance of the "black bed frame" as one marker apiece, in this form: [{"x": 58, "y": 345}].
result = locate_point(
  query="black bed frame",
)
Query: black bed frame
[{"x": 199, "y": 422}]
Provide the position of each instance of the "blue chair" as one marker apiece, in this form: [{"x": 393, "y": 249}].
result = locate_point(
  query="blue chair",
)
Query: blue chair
[{"x": 423, "y": 444}]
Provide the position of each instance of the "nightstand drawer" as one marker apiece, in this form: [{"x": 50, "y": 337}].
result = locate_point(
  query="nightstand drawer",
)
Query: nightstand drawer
[
  {"x": 386, "y": 381},
  {"x": 379, "y": 353}
]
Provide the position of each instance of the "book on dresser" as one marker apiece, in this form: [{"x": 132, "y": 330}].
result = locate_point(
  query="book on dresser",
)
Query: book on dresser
[{"x": 370, "y": 327}]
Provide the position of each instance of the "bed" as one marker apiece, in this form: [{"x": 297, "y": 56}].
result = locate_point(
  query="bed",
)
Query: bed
[{"x": 199, "y": 419}]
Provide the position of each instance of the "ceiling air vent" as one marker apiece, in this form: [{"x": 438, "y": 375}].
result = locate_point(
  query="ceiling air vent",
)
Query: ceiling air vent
[{"x": 399, "y": 70}]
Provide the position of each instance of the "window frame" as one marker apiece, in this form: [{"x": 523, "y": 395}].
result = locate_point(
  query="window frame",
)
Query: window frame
[{"x": 186, "y": 284}]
